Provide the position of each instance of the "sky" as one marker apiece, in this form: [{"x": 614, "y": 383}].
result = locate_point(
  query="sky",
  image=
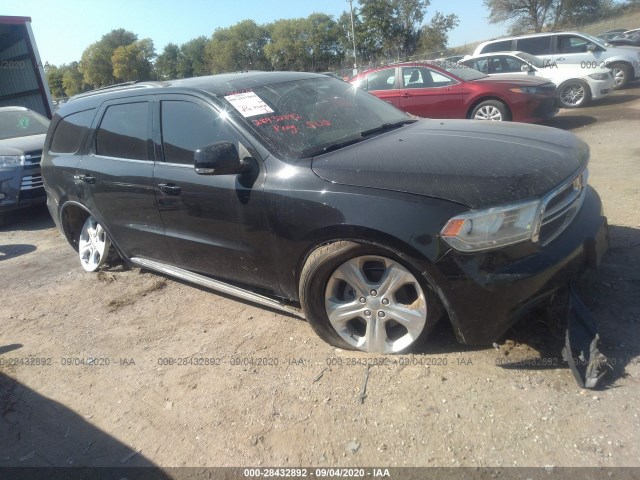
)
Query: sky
[{"x": 64, "y": 28}]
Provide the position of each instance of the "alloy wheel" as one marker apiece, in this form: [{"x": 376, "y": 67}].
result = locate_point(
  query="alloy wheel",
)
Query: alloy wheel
[{"x": 93, "y": 245}]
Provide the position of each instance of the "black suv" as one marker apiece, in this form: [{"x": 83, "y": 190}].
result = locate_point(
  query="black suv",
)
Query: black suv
[{"x": 298, "y": 190}]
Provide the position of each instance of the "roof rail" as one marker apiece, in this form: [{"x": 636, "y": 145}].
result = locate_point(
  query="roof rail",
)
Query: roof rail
[{"x": 122, "y": 86}]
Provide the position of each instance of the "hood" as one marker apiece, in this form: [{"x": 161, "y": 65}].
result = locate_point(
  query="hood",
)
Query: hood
[
  {"x": 22, "y": 145},
  {"x": 476, "y": 163}
]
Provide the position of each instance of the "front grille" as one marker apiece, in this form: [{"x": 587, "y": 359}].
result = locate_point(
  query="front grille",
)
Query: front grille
[{"x": 560, "y": 207}]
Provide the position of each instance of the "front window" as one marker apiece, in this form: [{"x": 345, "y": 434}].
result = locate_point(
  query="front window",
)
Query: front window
[
  {"x": 303, "y": 118},
  {"x": 21, "y": 123}
]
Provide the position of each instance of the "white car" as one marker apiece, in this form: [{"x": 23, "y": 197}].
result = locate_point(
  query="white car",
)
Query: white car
[{"x": 576, "y": 86}]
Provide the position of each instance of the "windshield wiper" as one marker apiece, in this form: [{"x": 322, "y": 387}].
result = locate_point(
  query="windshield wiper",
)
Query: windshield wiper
[
  {"x": 385, "y": 127},
  {"x": 332, "y": 147}
]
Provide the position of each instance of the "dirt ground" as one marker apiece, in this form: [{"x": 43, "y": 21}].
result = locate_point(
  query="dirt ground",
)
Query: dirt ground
[{"x": 128, "y": 367}]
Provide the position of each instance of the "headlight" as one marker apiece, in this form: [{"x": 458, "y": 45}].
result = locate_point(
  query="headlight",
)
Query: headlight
[
  {"x": 11, "y": 160},
  {"x": 492, "y": 228},
  {"x": 599, "y": 76},
  {"x": 530, "y": 90}
]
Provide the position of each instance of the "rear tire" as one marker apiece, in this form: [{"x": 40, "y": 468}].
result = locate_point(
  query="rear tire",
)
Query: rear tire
[
  {"x": 94, "y": 245},
  {"x": 621, "y": 75},
  {"x": 490, "y": 110},
  {"x": 363, "y": 297}
]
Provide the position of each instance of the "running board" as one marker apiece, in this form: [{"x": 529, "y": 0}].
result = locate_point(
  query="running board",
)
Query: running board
[{"x": 216, "y": 285}]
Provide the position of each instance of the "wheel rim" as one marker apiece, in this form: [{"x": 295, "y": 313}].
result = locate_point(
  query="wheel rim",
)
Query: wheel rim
[
  {"x": 375, "y": 304},
  {"x": 488, "y": 112},
  {"x": 573, "y": 94},
  {"x": 618, "y": 76},
  {"x": 93, "y": 245}
]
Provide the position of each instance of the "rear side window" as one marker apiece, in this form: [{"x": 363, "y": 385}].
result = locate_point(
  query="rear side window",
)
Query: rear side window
[
  {"x": 71, "y": 132},
  {"x": 124, "y": 132},
  {"x": 187, "y": 127},
  {"x": 534, "y": 45},
  {"x": 502, "y": 46}
]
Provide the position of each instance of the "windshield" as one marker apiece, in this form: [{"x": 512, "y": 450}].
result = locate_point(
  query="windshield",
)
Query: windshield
[
  {"x": 596, "y": 40},
  {"x": 533, "y": 60},
  {"x": 464, "y": 72},
  {"x": 307, "y": 117},
  {"x": 21, "y": 123}
]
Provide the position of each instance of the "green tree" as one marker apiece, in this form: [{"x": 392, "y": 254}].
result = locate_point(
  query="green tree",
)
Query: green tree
[
  {"x": 133, "y": 61},
  {"x": 324, "y": 48},
  {"x": 288, "y": 47},
  {"x": 239, "y": 47},
  {"x": 54, "y": 79},
  {"x": 434, "y": 36},
  {"x": 72, "y": 80},
  {"x": 96, "y": 64},
  {"x": 192, "y": 60},
  {"x": 166, "y": 65}
]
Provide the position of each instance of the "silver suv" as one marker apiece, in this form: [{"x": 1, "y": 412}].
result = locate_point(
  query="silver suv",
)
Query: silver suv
[{"x": 573, "y": 48}]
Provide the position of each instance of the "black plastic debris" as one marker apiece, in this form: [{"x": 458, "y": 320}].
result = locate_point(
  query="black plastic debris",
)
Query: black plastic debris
[{"x": 581, "y": 344}]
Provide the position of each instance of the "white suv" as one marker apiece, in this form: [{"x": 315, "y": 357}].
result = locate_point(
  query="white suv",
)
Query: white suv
[
  {"x": 576, "y": 86},
  {"x": 572, "y": 48}
]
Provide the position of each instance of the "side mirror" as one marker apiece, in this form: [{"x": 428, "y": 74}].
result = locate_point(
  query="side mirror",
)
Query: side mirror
[
  {"x": 219, "y": 158},
  {"x": 525, "y": 68},
  {"x": 591, "y": 47}
]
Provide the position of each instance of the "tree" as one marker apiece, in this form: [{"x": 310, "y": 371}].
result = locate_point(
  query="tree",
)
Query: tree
[
  {"x": 54, "y": 79},
  {"x": 435, "y": 36},
  {"x": 535, "y": 15},
  {"x": 239, "y": 47},
  {"x": 166, "y": 65},
  {"x": 392, "y": 26},
  {"x": 96, "y": 64},
  {"x": 288, "y": 49},
  {"x": 72, "y": 80},
  {"x": 324, "y": 49},
  {"x": 133, "y": 61},
  {"x": 192, "y": 59}
]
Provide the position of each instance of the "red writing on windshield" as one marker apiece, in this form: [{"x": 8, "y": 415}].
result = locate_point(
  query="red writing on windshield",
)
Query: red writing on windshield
[{"x": 276, "y": 119}]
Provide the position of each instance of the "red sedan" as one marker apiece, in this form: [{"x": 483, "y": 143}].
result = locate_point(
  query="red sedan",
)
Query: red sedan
[{"x": 457, "y": 91}]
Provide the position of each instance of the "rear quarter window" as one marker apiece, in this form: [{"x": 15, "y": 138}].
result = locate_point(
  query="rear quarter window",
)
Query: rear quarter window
[
  {"x": 534, "y": 45},
  {"x": 71, "y": 132}
]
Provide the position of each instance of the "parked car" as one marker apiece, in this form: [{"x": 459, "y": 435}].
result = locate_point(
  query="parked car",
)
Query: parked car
[
  {"x": 572, "y": 48},
  {"x": 630, "y": 39},
  {"x": 609, "y": 34},
  {"x": 456, "y": 91},
  {"x": 22, "y": 134},
  {"x": 576, "y": 86},
  {"x": 297, "y": 189}
]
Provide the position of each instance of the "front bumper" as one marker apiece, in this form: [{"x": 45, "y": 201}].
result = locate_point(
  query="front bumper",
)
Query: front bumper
[
  {"x": 486, "y": 293},
  {"x": 600, "y": 88},
  {"x": 20, "y": 188}
]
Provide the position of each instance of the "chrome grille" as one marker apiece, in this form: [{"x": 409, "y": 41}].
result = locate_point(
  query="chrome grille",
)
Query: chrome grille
[
  {"x": 560, "y": 207},
  {"x": 31, "y": 160}
]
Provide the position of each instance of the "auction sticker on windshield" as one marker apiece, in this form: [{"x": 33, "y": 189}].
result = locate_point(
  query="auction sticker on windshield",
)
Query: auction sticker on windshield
[{"x": 248, "y": 104}]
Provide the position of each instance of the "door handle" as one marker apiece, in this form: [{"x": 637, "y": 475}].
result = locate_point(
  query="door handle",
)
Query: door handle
[
  {"x": 561, "y": 59},
  {"x": 85, "y": 178},
  {"x": 405, "y": 95},
  {"x": 170, "y": 188}
]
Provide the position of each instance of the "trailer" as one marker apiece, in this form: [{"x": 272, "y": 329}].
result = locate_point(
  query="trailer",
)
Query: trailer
[{"x": 22, "y": 78}]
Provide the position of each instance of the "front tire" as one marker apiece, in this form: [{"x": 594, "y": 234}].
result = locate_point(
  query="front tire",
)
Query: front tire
[
  {"x": 490, "y": 110},
  {"x": 574, "y": 93},
  {"x": 94, "y": 245},
  {"x": 363, "y": 297}
]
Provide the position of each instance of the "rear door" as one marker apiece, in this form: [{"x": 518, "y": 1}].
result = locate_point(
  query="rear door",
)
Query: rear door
[
  {"x": 115, "y": 179},
  {"x": 215, "y": 224},
  {"x": 428, "y": 93}
]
